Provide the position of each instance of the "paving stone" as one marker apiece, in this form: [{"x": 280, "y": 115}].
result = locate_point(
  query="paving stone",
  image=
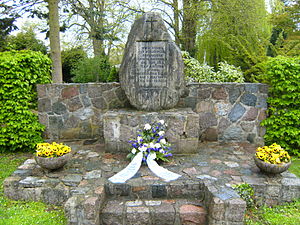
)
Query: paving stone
[
  {"x": 72, "y": 180},
  {"x": 29, "y": 182},
  {"x": 232, "y": 164},
  {"x": 93, "y": 174},
  {"x": 205, "y": 176}
]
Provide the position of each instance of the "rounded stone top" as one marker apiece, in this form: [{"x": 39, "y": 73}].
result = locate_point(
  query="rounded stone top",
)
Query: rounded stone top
[{"x": 151, "y": 73}]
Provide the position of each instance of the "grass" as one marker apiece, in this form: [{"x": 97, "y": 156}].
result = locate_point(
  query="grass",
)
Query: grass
[
  {"x": 287, "y": 214},
  {"x": 295, "y": 167},
  {"x": 21, "y": 212}
]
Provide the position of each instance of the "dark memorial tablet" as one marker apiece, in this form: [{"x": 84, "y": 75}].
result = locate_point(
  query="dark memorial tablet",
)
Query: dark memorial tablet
[{"x": 151, "y": 73}]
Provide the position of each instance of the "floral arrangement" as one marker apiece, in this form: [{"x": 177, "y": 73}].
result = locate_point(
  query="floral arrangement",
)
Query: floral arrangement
[
  {"x": 48, "y": 150},
  {"x": 273, "y": 154},
  {"x": 151, "y": 140}
]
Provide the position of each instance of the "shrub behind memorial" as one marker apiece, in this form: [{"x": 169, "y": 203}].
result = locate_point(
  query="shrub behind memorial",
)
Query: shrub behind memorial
[
  {"x": 283, "y": 122},
  {"x": 20, "y": 71},
  {"x": 95, "y": 69},
  {"x": 196, "y": 72}
]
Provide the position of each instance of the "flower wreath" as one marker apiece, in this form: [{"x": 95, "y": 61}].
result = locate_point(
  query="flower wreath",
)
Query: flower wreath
[{"x": 151, "y": 140}]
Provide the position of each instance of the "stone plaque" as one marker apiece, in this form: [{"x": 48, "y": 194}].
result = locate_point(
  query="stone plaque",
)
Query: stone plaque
[{"x": 151, "y": 73}]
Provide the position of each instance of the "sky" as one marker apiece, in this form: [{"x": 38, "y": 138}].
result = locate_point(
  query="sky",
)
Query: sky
[{"x": 67, "y": 38}]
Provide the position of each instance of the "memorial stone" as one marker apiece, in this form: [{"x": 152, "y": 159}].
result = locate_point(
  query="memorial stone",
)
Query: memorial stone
[{"x": 151, "y": 73}]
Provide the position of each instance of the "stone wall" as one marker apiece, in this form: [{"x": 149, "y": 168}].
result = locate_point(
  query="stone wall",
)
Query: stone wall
[
  {"x": 74, "y": 111},
  {"x": 227, "y": 111}
]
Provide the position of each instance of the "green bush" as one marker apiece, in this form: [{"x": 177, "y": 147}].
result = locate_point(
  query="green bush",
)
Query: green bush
[
  {"x": 283, "y": 122},
  {"x": 70, "y": 58},
  {"x": 95, "y": 69},
  {"x": 196, "y": 72},
  {"x": 20, "y": 71}
]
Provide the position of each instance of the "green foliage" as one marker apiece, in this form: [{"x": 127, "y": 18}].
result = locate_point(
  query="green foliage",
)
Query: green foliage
[
  {"x": 277, "y": 215},
  {"x": 20, "y": 212},
  {"x": 70, "y": 58},
  {"x": 283, "y": 123},
  {"x": 197, "y": 72},
  {"x": 246, "y": 192},
  {"x": 238, "y": 33},
  {"x": 25, "y": 40},
  {"x": 20, "y": 71},
  {"x": 95, "y": 69}
]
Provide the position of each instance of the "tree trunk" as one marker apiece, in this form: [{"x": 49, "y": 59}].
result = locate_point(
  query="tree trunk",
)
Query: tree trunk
[
  {"x": 189, "y": 26},
  {"x": 176, "y": 22},
  {"x": 55, "y": 52}
]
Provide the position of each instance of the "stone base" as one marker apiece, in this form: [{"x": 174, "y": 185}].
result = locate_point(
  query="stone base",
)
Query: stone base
[{"x": 122, "y": 126}]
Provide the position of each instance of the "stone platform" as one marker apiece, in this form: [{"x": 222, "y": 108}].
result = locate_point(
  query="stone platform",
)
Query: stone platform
[{"x": 203, "y": 195}]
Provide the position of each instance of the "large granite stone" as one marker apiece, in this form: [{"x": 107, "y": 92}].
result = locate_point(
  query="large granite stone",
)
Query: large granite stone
[{"x": 151, "y": 73}]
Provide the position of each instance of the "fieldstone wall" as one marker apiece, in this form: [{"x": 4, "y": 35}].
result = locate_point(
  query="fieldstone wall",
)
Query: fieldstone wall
[
  {"x": 228, "y": 112},
  {"x": 74, "y": 111}
]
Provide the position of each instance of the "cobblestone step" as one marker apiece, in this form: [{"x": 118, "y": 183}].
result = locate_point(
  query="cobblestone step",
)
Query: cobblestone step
[
  {"x": 148, "y": 189},
  {"x": 153, "y": 212}
]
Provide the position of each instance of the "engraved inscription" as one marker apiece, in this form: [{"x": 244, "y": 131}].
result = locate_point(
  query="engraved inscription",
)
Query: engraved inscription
[{"x": 152, "y": 64}]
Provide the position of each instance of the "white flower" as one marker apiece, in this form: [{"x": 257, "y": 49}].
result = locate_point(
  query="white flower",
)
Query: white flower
[
  {"x": 163, "y": 141},
  {"x": 151, "y": 145},
  {"x": 133, "y": 151},
  {"x": 157, "y": 145},
  {"x": 162, "y": 122},
  {"x": 143, "y": 148},
  {"x": 161, "y": 133},
  {"x": 139, "y": 138},
  {"x": 147, "y": 126},
  {"x": 161, "y": 151}
]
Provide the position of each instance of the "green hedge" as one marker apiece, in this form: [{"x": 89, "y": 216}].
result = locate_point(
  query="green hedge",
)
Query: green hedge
[
  {"x": 20, "y": 71},
  {"x": 283, "y": 122}
]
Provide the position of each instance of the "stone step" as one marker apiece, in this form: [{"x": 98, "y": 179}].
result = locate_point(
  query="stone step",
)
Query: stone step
[
  {"x": 148, "y": 189},
  {"x": 153, "y": 212}
]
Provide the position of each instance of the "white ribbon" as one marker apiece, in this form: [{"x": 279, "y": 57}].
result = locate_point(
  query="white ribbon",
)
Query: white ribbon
[
  {"x": 134, "y": 166},
  {"x": 129, "y": 170},
  {"x": 160, "y": 171}
]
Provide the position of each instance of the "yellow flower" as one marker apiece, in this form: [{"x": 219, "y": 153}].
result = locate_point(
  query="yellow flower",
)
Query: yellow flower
[
  {"x": 273, "y": 154},
  {"x": 51, "y": 150}
]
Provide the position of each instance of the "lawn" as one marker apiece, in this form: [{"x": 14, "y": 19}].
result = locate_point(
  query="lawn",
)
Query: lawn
[
  {"x": 20, "y": 212},
  {"x": 28, "y": 213}
]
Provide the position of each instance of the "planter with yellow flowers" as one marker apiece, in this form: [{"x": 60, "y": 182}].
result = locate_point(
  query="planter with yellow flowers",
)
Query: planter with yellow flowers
[
  {"x": 52, "y": 156},
  {"x": 272, "y": 159}
]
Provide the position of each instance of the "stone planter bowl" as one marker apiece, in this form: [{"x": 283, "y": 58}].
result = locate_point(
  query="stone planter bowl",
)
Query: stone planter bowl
[
  {"x": 53, "y": 163},
  {"x": 271, "y": 168}
]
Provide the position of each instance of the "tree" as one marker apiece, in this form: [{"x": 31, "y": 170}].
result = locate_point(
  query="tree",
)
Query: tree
[
  {"x": 238, "y": 33},
  {"x": 26, "y": 39},
  {"x": 7, "y": 19},
  {"x": 285, "y": 39},
  {"x": 55, "y": 52},
  {"x": 103, "y": 21},
  {"x": 193, "y": 10}
]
